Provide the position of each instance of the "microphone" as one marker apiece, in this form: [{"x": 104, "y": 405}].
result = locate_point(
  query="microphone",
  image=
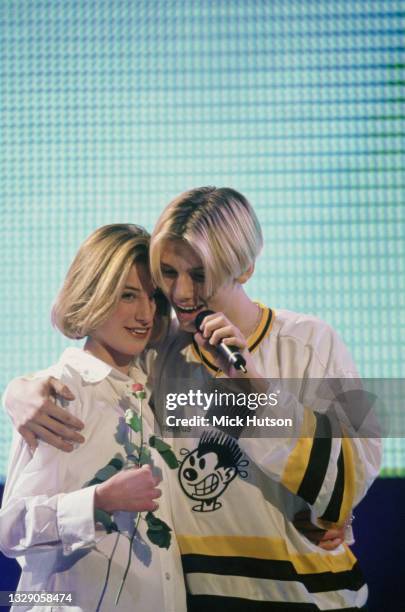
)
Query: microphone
[{"x": 230, "y": 353}]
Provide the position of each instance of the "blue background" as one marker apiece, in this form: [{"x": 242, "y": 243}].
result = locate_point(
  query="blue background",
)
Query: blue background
[{"x": 110, "y": 108}]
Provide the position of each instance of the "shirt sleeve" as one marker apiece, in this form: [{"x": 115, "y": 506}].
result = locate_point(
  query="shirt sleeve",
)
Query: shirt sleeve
[
  {"x": 334, "y": 452},
  {"x": 37, "y": 510}
]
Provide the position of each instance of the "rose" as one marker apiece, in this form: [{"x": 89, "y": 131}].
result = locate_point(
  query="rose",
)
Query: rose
[
  {"x": 138, "y": 391},
  {"x": 137, "y": 387}
]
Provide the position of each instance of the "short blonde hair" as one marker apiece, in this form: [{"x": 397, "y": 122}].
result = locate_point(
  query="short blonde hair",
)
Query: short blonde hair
[
  {"x": 219, "y": 224},
  {"x": 96, "y": 278}
]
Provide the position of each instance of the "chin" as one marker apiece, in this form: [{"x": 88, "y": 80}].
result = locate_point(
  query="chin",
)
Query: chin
[{"x": 187, "y": 326}]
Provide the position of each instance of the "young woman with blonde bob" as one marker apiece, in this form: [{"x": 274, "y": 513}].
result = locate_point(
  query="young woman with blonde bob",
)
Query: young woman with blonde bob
[
  {"x": 52, "y": 500},
  {"x": 240, "y": 546}
]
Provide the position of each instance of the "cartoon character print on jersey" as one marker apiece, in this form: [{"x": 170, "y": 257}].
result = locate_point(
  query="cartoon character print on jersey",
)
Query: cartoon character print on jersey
[{"x": 207, "y": 471}]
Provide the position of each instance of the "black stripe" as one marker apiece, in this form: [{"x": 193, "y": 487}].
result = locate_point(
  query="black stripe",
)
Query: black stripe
[
  {"x": 203, "y": 358},
  {"x": 214, "y": 603},
  {"x": 273, "y": 570},
  {"x": 332, "y": 512},
  {"x": 318, "y": 460},
  {"x": 266, "y": 327}
]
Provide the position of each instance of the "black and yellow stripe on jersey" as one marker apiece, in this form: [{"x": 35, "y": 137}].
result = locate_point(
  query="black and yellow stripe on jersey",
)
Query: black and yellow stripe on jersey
[
  {"x": 285, "y": 580},
  {"x": 307, "y": 464}
]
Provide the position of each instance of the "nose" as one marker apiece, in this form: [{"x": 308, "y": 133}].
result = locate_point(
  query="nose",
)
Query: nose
[
  {"x": 145, "y": 310},
  {"x": 190, "y": 474},
  {"x": 183, "y": 289}
]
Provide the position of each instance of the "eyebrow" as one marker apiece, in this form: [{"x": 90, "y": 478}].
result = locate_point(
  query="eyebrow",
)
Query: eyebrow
[
  {"x": 198, "y": 269},
  {"x": 133, "y": 288}
]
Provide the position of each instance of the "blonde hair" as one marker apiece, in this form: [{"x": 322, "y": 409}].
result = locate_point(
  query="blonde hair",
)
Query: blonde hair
[
  {"x": 219, "y": 224},
  {"x": 96, "y": 278}
]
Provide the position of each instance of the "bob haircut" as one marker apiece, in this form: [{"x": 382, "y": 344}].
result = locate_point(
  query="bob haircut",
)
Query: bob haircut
[
  {"x": 96, "y": 278},
  {"x": 219, "y": 224}
]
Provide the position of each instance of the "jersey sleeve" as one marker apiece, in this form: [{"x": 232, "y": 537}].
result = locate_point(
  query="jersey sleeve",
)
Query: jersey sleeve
[{"x": 334, "y": 451}]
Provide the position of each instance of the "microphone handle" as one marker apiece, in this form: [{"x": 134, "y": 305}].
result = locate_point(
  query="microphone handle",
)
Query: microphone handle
[{"x": 232, "y": 355}]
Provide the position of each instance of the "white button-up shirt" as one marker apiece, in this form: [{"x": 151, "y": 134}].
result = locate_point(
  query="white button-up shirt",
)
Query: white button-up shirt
[{"x": 47, "y": 517}]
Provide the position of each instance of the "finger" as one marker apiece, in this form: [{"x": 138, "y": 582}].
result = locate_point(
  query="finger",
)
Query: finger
[
  {"x": 223, "y": 332},
  {"x": 235, "y": 341},
  {"x": 47, "y": 436},
  {"x": 330, "y": 544},
  {"x": 203, "y": 343},
  {"x": 59, "y": 429},
  {"x": 62, "y": 415},
  {"x": 146, "y": 504},
  {"x": 157, "y": 479},
  {"x": 213, "y": 322},
  {"x": 155, "y": 493},
  {"x": 146, "y": 468},
  {"x": 56, "y": 387},
  {"x": 332, "y": 534},
  {"x": 29, "y": 437}
]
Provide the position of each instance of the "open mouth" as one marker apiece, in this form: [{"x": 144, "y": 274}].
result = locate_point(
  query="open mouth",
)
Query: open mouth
[
  {"x": 206, "y": 486},
  {"x": 138, "y": 332},
  {"x": 187, "y": 314},
  {"x": 188, "y": 309}
]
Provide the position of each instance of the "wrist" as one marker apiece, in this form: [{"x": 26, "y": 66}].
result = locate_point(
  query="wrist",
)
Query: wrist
[{"x": 101, "y": 501}]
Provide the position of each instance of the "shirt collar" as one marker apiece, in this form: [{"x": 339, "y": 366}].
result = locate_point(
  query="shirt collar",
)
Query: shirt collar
[{"x": 90, "y": 368}]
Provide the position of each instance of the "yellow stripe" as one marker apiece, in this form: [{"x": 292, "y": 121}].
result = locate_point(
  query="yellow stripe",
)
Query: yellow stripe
[
  {"x": 259, "y": 329},
  {"x": 271, "y": 549},
  {"x": 298, "y": 459}
]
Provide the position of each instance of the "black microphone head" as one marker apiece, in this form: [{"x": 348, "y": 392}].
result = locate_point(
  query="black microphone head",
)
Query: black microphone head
[{"x": 200, "y": 317}]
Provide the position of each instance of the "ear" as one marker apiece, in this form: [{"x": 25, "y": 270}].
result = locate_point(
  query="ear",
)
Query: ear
[{"x": 243, "y": 278}]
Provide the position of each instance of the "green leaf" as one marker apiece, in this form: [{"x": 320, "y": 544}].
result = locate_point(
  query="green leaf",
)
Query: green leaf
[
  {"x": 140, "y": 395},
  {"x": 170, "y": 458},
  {"x": 159, "y": 444},
  {"x": 145, "y": 456},
  {"x": 133, "y": 459},
  {"x": 92, "y": 482},
  {"x": 153, "y": 522},
  {"x": 164, "y": 451},
  {"x": 130, "y": 447},
  {"x": 117, "y": 462},
  {"x": 134, "y": 422},
  {"x": 105, "y": 519},
  {"x": 106, "y": 472},
  {"x": 113, "y": 466},
  {"x": 158, "y": 531}
]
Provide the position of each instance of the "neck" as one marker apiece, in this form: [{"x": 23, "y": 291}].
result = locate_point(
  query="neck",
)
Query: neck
[
  {"x": 242, "y": 312},
  {"x": 108, "y": 355}
]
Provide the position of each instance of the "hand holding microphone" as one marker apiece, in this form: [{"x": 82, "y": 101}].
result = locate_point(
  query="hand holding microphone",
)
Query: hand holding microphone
[{"x": 222, "y": 339}]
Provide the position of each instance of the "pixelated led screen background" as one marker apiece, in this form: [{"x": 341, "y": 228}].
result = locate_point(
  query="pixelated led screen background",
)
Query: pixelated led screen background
[{"x": 110, "y": 108}]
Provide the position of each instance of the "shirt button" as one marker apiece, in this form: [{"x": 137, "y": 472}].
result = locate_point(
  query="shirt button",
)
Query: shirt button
[{"x": 167, "y": 575}]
